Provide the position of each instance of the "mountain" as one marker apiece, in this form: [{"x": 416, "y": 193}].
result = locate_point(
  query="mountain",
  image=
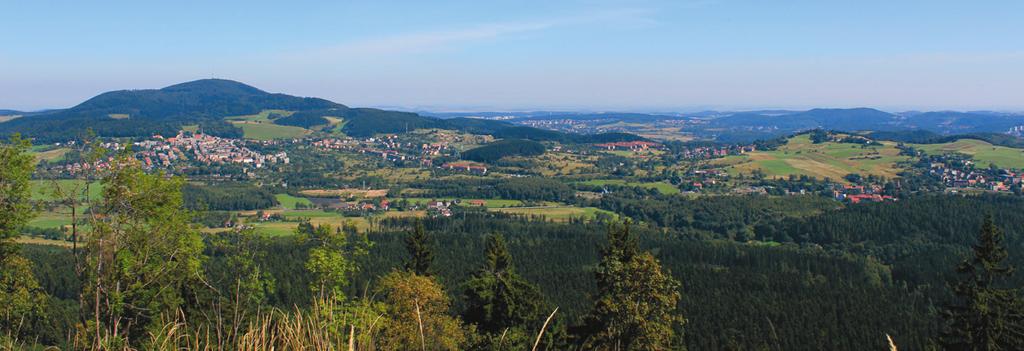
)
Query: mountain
[
  {"x": 135, "y": 113},
  {"x": 10, "y": 113},
  {"x": 841, "y": 119},
  {"x": 748, "y": 126},
  {"x": 952, "y": 122}
]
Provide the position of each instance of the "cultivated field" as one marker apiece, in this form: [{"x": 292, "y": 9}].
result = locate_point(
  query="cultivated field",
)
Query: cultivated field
[
  {"x": 832, "y": 160},
  {"x": 982, "y": 152},
  {"x": 52, "y": 154}
]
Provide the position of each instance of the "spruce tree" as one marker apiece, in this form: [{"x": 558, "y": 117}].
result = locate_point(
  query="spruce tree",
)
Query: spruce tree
[
  {"x": 420, "y": 251},
  {"x": 497, "y": 298},
  {"x": 987, "y": 314}
]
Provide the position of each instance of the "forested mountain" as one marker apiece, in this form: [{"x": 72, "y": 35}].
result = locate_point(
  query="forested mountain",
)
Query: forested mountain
[
  {"x": 133, "y": 113},
  {"x": 844, "y": 119},
  {"x": 952, "y": 122},
  {"x": 747, "y": 126}
]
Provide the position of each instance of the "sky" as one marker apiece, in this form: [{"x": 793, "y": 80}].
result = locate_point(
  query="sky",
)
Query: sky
[{"x": 590, "y": 55}]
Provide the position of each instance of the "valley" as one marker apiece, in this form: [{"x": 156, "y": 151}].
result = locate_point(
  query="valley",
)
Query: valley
[{"x": 787, "y": 223}]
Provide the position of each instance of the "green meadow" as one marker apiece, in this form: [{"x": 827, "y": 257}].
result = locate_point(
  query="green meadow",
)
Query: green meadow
[
  {"x": 260, "y": 127},
  {"x": 662, "y": 187},
  {"x": 289, "y": 202},
  {"x": 982, "y": 152},
  {"x": 800, "y": 156}
]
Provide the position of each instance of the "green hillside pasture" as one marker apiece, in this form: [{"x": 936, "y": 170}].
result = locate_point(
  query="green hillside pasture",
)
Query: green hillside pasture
[
  {"x": 662, "y": 187},
  {"x": 982, "y": 152},
  {"x": 337, "y": 124},
  {"x": 262, "y": 117},
  {"x": 826, "y": 160},
  {"x": 268, "y": 131},
  {"x": 289, "y": 202},
  {"x": 260, "y": 127}
]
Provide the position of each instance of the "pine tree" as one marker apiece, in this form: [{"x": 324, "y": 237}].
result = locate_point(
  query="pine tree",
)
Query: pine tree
[
  {"x": 420, "y": 251},
  {"x": 987, "y": 314},
  {"x": 635, "y": 308}
]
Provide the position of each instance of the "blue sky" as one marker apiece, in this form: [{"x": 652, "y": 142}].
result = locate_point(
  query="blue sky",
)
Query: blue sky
[{"x": 489, "y": 55}]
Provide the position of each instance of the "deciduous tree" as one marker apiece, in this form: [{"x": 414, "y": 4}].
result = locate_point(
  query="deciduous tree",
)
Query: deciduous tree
[{"x": 635, "y": 308}]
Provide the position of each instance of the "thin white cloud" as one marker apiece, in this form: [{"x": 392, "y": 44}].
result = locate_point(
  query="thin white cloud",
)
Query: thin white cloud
[{"x": 433, "y": 40}]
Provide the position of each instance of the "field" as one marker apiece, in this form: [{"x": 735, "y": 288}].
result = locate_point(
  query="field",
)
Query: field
[
  {"x": 267, "y": 131},
  {"x": 832, "y": 160},
  {"x": 43, "y": 189},
  {"x": 318, "y": 217},
  {"x": 982, "y": 152},
  {"x": 638, "y": 154},
  {"x": 262, "y": 117},
  {"x": 557, "y": 213},
  {"x": 553, "y": 164},
  {"x": 662, "y": 187},
  {"x": 8, "y": 118},
  {"x": 337, "y": 124},
  {"x": 52, "y": 154},
  {"x": 260, "y": 127},
  {"x": 42, "y": 241},
  {"x": 50, "y": 220},
  {"x": 289, "y": 202}
]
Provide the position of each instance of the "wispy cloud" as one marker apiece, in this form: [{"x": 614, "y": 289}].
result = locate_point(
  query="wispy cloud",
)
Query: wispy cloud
[{"x": 433, "y": 40}]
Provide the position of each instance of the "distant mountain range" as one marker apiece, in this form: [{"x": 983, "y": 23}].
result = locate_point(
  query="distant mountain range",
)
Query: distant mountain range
[
  {"x": 752, "y": 125},
  {"x": 206, "y": 103}
]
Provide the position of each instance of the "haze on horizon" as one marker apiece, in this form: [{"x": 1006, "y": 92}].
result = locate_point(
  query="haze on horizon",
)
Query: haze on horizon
[{"x": 579, "y": 54}]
